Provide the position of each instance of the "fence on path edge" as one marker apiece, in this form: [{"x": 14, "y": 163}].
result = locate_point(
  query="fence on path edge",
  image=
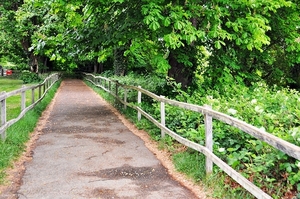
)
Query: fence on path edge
[
  {"x": 113, "y": 87},
  {"x": 42, "y": 90}
]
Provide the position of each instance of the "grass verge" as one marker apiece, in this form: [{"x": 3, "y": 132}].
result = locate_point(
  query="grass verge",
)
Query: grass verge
[{"x": 19, "y": 133}]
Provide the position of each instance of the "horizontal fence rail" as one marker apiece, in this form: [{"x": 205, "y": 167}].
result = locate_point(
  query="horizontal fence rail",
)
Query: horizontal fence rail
[
  {"x": 113, "y": 88},
  {"x": 42, "y": 90}
]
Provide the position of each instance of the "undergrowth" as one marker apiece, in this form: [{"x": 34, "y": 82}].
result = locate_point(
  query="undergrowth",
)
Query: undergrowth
[{"x": 275, "y": 110}]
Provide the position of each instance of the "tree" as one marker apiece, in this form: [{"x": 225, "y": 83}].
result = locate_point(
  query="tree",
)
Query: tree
[
  {"x": 247, "y": 40},
  {"x": 10, "y": 48}
]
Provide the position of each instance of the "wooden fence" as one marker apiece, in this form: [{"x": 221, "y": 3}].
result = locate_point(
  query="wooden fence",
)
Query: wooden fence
[
  {"x": 113, "y": 87},
  {"x": 42, "y": 90}
]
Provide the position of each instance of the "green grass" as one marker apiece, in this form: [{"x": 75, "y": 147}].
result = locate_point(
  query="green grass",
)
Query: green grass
[
  {"x": 19, "y": 134},
  {"x": 9, "y": 84},
  {"x": 14, "y": 102}
]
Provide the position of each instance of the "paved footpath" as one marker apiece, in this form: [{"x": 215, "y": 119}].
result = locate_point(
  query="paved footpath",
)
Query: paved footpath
[{"x": 85, "y": 151}]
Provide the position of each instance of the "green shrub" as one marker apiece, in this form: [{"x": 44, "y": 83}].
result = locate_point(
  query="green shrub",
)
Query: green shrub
[
  {"x": 274, "y": 110},
  {"x": 29, "y": 77}
]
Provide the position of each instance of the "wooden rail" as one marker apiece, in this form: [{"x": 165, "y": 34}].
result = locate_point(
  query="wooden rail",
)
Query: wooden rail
[
  {"x": 42, "y": 90},
  {"x": 284, "y": 146}
]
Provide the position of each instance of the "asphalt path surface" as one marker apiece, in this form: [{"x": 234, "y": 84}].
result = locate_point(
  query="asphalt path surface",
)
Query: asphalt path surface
[{"x": 85, "y": 151}]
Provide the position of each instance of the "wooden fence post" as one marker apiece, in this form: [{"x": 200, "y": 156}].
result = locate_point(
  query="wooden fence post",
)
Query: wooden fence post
[
  {"x": 208, "y": 140},
  {"x": 3, "y": 115},
  {"x": 40, "y": 91},
  {"x": 139, "y": 102},
  {"x": 125, "y": 98},
  {"x": 44, "y": 87},
  {"x": 23, "y": 99},
  {"x": 162, "y": 116},
  {"x": 32, "y": 96},
  {"x": 117, "y": 88}
]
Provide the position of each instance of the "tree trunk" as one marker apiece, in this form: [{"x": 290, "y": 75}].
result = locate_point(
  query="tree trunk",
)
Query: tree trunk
[
  {"x": 179, "y": 72},
  {"x": 34, "y": 64},
  {"x": 120, "y": 63},
  {"x": 95, "y": 67},
  {"x": 100, "y": 68},
  {"x": 33, "y": 59}
]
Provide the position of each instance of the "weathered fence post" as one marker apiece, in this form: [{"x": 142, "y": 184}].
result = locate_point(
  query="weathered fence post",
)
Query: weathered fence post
[
  {"x": 46, "y": 84},
  {"x": 40, "y": 91},
  {"x": 125, "y": 98},
  {"x": 139, "y": 101},
  {"x": 50, "y": 81},
  {"x": 208, "y": 139},
  {"x": 3, "y": 114},
  {"x": 44, "y": 87},
  {"x": 23, "y": 99},
  {"x": 162, "y": 115},
  {"x": 32, "y": 96},
  {"x": 117, "y": 88}
]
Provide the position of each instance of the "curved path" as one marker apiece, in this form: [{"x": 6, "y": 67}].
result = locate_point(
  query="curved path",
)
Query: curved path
[{"x": 85, "y": 151}]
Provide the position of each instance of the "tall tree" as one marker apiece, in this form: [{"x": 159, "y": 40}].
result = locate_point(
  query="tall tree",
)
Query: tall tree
[
  {"x": 11, "y": 48},
  {"x": 246, "y": 40}
]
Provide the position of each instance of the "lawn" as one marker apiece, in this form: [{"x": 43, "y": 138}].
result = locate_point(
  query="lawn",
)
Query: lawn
[
  {"x": 13, "y": 103},
  {"x": 9, "y": 84}
]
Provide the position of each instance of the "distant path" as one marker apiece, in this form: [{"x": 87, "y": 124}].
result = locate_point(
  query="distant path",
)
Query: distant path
[{"x": 85, "y": 151}]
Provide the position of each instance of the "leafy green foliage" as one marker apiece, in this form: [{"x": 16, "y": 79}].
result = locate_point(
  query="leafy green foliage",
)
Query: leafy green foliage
[
  {"x": 11, "y": 50},
  {"x": 274, "y": 110},
  {"x": 29, "y": 77},
  {"x": 247, "y": 42}
]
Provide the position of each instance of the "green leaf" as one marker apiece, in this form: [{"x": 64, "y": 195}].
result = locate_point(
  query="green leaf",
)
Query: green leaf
[
  {"x": 218, "y": 44},
  {"x": 167, "y": 21},
  {"x": 154, "y": 25},
  {"x": 178, "y": 25}
]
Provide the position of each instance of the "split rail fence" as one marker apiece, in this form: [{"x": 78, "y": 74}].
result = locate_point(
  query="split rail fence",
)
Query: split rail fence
[
  {"x": 114, "y": 87},
  {"x": 41, "y": 88}
]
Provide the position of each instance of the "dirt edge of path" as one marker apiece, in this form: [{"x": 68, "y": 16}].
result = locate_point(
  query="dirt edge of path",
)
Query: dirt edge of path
[{"x": 16, "y": 172}]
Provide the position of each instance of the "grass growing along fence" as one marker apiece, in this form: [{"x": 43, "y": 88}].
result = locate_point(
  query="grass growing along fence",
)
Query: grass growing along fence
[
  {"x": 19, "y": 133},
  {"x": 13, "y": 102}
]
